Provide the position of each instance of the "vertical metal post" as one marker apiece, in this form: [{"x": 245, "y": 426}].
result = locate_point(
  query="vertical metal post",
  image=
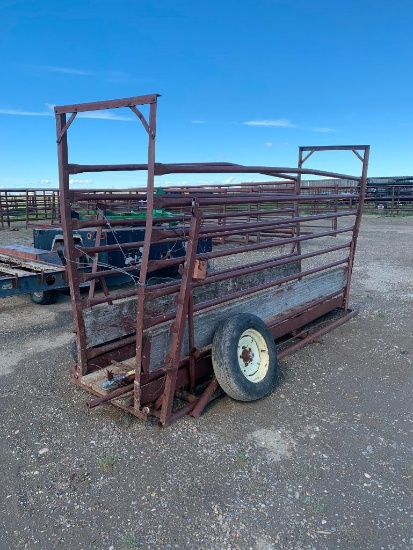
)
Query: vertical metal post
[
  {"x": 45, "y": 204},
  {"x": 27, "y": 208},
  {"x": 145, "y": 253},
  {"x": 6, "y": 197},
  {"x": 191, "y": 342},
  {"x": 54, "y": 206},
  {"x": 334, "y": 220},
  {"x": 296, "y": 208},
  {"x": 178, "y": 327},
  {"x": 66, "y": 218},
  {"x": 362, "y": 194}
]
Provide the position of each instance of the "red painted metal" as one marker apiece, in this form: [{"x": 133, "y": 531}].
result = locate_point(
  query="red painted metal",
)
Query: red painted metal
[
  {"x": 308, "y": 339},
  {"x": 276, "y": 235}
]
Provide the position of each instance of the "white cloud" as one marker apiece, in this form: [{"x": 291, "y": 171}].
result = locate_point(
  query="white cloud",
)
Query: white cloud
[
  {"x": 280, "y": 123},
  {"x": 197, "y": 121},
  {"x": 285, "y": 123},
  {"x": 64, "y": 70},
  {"x": 111, "y": 76},
  {"x": 80, "y": 181},
  {"x": 45, "y": 181},
  {"x": 104, "y": 115},
  {"x": 229, "y": 180},
  {"x": 21, "y": 112},
  {"x": 321, "y": 129},
  {"x": 268, "y": 144}
]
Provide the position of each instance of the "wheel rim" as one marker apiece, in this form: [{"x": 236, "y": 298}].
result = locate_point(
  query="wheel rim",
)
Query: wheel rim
[{"x": 253, "y": 356}]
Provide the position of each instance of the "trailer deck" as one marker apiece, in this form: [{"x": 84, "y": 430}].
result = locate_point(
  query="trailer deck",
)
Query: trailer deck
[{"x": 24, "y": 270}]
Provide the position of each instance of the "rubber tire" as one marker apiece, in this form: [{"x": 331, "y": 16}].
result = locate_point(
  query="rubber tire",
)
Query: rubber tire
[
  {"x": 44, "y": 297},
  {"x": 225, "y": 358}
]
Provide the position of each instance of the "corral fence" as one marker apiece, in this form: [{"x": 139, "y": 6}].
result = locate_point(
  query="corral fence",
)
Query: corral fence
[
  {"x": 34, "y": 206},
  {"x": 385, "y": 196}
]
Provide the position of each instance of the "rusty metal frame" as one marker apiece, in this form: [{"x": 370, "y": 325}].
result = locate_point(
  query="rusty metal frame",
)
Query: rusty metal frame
[
  {"x": 244, "y": 220},
  {"x": 62, "y": 126},
  {"x": 364, "y": 158}
]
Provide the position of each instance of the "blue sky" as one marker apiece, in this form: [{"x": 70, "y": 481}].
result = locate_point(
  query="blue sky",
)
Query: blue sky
[{"x": 241, "y": 81}]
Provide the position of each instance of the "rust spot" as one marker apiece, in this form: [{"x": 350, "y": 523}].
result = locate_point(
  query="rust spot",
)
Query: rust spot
[{"x": 247, "y": 356}]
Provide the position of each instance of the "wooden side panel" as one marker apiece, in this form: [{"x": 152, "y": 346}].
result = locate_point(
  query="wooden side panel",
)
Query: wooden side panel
[
  {"x": 265, "y": 304},
  {"x": 105, "y": 322},
  {"x": 109, "y": 322}
]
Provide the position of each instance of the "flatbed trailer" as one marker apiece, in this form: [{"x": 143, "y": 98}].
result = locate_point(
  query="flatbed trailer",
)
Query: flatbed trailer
[
  {"x": 277, "y": 268},
  {"x": 28, "y": 270}
]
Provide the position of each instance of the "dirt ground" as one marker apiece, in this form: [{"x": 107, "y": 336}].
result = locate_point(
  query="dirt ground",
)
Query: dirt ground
[{"x": 324, "y": 462}]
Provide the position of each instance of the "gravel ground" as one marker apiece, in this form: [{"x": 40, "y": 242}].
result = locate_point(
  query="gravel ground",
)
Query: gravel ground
[{"x": 324, "y": 462}]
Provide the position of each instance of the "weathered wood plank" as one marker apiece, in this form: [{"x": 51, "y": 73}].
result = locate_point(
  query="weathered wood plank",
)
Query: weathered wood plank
[
  {"x": 108, "y": 322},
  {"x": 264, "y": 304}
]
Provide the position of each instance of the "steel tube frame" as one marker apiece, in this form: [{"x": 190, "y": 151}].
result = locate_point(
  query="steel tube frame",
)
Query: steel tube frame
[
  {"x": 213, "y": 231},
  {"x": 204, "y": 168},
  {"x": 225, "y": 274},
  {"x": 364, "y": 158},
  {"x": 216, "y": 213},
  {"x": 65, "y": 208}
]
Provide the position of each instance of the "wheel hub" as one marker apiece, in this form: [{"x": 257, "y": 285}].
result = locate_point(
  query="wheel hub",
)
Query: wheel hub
[
  {"x": 253, "y": 357},
  {"x": 247, "y": 355}
]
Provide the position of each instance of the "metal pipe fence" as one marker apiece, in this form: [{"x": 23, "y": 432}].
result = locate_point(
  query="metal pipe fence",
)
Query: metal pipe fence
[{"x": 42, "y": 206}]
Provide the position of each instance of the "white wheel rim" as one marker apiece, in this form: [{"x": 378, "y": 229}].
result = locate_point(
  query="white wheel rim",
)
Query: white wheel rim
[{"x": 253, "y": 356}]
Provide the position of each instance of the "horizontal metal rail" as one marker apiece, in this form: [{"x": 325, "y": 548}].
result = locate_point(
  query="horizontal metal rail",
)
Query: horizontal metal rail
[
  {"x": 163, "y": 290},
  {"x": 161, "y": 200},
  {"x": 205, "y": 168},
  {"x": 206, "y": 232},
  {"x": 132, "y": 222},
  {"x": 158, "y": 264},
  {"x": 169, "y": 201},
  {"x": 310, "y": 338},
  {"x": 111, "y": 104}
]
